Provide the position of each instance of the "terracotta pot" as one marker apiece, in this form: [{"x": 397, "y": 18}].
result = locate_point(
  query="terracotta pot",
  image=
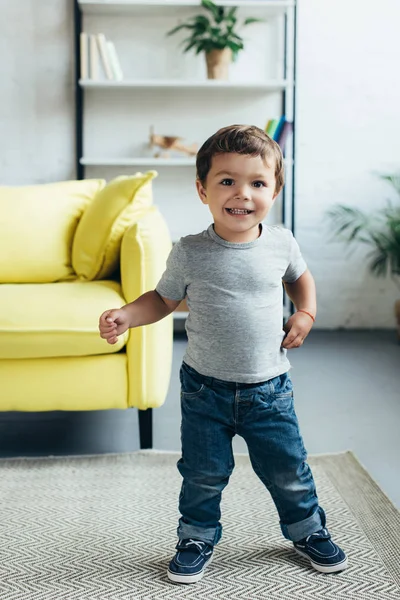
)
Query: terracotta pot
[
  {"x": 397, "y": 313},
  {"x": 218, "y": 62}
]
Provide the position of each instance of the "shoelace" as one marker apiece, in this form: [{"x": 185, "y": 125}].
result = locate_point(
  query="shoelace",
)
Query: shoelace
[
  {"x": 323, "y": 534},
  {"x": 196, "y": 543}
]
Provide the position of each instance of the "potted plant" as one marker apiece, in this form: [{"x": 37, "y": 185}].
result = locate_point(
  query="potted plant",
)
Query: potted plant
[
  {"x": 379, "y": 230},
  {"x": 216, "y": 35}
]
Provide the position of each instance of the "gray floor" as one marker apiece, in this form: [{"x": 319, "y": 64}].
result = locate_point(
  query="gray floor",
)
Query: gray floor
[{"x": 346, "y": 393}]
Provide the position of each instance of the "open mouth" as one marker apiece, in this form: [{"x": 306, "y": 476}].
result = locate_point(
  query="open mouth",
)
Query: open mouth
[{"x": 238, "y": 211}]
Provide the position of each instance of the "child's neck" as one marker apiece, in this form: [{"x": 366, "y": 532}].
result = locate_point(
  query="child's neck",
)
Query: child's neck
[{"x": 235, "y": 237}]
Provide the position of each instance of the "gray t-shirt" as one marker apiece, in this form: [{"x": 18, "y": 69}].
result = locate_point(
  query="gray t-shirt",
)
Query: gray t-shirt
[{"x": 235, "y": 299}]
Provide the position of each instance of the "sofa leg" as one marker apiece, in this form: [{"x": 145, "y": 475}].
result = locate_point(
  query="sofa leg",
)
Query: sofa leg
[{"x": 146, "y": 428}]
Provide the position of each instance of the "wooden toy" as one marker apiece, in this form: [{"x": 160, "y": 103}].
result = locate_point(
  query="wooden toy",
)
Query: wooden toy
[{"x": 169, "y": 143}]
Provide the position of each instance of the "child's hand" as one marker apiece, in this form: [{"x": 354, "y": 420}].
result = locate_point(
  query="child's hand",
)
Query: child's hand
[
  {"x": 297, "y": 329},
  {"x": 113, "y": 323}
]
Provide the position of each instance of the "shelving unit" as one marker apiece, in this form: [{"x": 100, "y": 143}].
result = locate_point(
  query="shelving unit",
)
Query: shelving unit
[
  {"x": 168, "y": 90},
  {"x": 249, "y": 87},
  {"x": 143, "y": 162},
  {"x": 163, "y": 7},
  {"x": 138, "y": 162}
]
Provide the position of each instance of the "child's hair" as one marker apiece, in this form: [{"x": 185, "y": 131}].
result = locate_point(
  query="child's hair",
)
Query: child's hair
[{"x": 240, "y": 139}]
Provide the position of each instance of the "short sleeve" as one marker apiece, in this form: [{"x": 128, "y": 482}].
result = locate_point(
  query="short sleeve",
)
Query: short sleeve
[
  {"x": 172, "y": 283},
  {"x": 297, "y": 265}
]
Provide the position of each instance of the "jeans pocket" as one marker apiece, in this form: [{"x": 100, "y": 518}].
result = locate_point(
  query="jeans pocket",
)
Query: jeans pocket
[
  {"x": 282, "y": 384},
  {"x": 283, "y": 401},
  {"x": 191, "y": 385},
  {"x": 283, "y": 392}
]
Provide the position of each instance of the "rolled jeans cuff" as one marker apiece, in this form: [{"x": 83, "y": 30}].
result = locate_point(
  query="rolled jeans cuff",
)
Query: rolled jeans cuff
[
  {"x": 300, "y": 530},
  {"x": 210, "y": 535}
]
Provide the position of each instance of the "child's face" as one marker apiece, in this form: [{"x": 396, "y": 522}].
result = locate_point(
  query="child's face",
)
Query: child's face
[{"x": 242, "y": 183}]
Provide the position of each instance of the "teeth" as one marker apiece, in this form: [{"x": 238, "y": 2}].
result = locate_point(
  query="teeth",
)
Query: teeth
[{"x": 238, "y": 211}]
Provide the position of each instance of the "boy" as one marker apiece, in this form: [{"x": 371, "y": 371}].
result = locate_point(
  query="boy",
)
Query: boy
[{"x": 235, "y": 374}]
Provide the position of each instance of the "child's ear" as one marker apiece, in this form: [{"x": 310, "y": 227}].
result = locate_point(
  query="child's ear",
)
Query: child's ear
[
  {"x": 276, "y": 193},
  {"x": 201, "y": 190}
]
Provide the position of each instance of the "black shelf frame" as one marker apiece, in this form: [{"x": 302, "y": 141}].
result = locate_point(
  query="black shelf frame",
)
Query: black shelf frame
[{"x": 79, "y": 93}]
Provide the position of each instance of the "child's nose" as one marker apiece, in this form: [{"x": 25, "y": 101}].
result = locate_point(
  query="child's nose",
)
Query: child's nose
[{"x": 243, "y": 193}]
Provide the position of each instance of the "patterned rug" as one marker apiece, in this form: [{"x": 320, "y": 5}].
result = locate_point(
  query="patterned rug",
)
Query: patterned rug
[{"x": 103, "y": 528}]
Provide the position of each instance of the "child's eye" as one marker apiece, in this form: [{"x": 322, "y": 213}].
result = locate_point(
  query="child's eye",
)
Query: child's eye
[
  {"x": 259, "y": 184},
  {"x": 227, "y": 182}
]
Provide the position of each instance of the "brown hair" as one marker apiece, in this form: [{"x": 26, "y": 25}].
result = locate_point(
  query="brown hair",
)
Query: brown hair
[{"x": 240, "y": 139}]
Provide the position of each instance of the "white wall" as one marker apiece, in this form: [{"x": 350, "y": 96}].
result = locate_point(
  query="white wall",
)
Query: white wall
[
  {"x": 348, "y": 96},
  {"x": 348, "y": 127},
  {"x": 36, "y": 97}
]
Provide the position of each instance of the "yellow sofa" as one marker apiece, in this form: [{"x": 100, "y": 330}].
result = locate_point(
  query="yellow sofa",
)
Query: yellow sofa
[{"x": 69, "y": 251}]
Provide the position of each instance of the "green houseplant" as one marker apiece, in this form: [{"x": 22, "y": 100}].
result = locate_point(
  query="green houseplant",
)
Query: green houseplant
[
  {"x": 379, "y": 230},
  {"x": 215, "y": 34}
]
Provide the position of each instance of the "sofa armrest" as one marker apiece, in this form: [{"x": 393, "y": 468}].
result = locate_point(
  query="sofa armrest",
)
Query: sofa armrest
[{"x": 144, "y": 251}]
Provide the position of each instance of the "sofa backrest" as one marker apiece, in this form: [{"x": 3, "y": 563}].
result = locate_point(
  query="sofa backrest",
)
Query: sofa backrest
[
  {"x": 37, "y": 228},
  {"x": 97, "y": 244},
  {"x": 67, "y": 230}
]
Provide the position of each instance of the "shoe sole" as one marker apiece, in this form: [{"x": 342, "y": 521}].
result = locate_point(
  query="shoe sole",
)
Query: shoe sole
[
  {"x": 176, "y": 578},
  {"x": 324, "y": 568}
]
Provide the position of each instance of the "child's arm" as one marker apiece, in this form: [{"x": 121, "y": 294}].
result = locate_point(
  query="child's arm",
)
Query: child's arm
[
  {"x": 148, "y": 308},
  {"x": 303, "y": 295}
]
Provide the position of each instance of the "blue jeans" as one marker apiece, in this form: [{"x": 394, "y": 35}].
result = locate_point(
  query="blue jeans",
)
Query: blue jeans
[{"x": 213, "y": 411}]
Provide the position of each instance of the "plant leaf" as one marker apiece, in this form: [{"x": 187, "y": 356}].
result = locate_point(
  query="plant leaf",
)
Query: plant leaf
[
  {"x": 251, "y": 20},
  {"x": 394, "y": 181},
  {"x": 231, "y": 14},
  {"x": 189, "y": 46},
  {"x": 178, "y": 28},
  {"x": 348, "y": 222},
  {"x": 213, "y": 8},
  {"x": 379, "y": 263},
  {"x": 202, "y": 23},
  {"x": 381, "y": 230},
  {"x": 236, "y": 38},
  {"x": 218, "y": 33},
  {"x": 234, "y": 46}
]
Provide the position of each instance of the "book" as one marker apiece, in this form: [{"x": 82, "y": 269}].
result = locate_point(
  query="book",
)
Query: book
[
  {"x": 279, "y": 128},
  {"x": 271, "y": 126},
  {"x": 268, "y": 126},
  {"x": 114, "y": 61},
  {"x": 287, "y": 129},
  {"x": 84, "y": 55},
  {"x": 104, "y": 55},
  {"x": 93, "y": 58}
]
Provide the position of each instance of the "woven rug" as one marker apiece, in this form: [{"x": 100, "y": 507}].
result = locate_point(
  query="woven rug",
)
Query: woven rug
[{"x": 103, "y": 527}]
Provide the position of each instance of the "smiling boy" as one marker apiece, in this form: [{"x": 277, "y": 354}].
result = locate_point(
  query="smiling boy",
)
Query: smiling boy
[{"x": 235, "y": 372}]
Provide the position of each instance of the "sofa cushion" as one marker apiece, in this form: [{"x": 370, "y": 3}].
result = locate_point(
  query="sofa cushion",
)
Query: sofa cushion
[
  {"x": 56, "y": 319},
  {"x": 37, "y": 227},
  {"x": 97, "y": 242}
]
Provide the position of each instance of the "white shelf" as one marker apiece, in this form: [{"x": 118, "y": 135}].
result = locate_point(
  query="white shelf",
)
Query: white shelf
[
  {"x": 263, "y": 8},
  {"x": 138, "y": 162},
  {"x": 145, "y": 162},
  {"x": 273, "y": 85}
]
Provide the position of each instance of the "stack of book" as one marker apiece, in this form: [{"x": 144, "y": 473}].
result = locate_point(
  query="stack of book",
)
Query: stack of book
[
  {"x": 279, "y": 130},
  {"x": 99, "y": 59}
]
